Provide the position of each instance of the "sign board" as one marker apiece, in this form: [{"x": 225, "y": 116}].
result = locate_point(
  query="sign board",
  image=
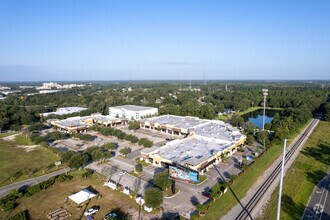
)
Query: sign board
[{"x": 178, "y": 173}]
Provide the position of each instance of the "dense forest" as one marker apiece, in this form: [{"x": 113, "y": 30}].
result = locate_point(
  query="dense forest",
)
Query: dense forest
[{"x": 298, "y": 100}]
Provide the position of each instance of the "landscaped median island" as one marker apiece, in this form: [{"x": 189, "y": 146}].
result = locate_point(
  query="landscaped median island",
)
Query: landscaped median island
[
  {"x": 311, "y": 166},
  {"x": 238, "y": 188}
]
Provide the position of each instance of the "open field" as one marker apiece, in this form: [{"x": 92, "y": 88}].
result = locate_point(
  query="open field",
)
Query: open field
[
  {"x": 43, "y": 202},
  {"x": 244, "y": 182},
  {"x": 20, "y": 159},
  {"x": 310, "y": 167}
]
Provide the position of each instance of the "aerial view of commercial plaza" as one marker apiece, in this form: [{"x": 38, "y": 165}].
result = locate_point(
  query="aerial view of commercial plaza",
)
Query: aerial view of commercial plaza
[{"x": 147, "y": 110}]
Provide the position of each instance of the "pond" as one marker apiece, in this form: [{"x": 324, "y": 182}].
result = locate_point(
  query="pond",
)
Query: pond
[{"x": 256, "y": 116}]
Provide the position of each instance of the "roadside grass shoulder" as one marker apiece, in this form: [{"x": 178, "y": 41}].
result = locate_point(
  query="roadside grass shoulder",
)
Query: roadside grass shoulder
[
  {"x": 310, "y": 167},
  {"x": 241, "y": 185}
]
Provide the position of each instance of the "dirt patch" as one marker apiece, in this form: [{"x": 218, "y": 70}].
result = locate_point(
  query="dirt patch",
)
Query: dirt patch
[
  {"x": 10, "y": 138},
  {"x": 28, "y": 148}
]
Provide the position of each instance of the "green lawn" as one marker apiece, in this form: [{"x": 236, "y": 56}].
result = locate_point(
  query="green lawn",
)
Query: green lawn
[
  {"x": 256, "y": 108},
  {"x": 21, "y": 140},
  {"x": 17, "y": 164},
  {"x": 310, "y": 167},
  {"x": 243, "y": 183}
]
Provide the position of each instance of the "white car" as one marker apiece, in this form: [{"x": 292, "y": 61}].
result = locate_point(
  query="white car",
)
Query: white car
[
  {"x": 122, "y": 172},
  {"x": 91, "y": 211}
]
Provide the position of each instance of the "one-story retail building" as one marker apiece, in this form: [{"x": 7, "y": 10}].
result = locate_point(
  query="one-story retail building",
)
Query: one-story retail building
[
  {"x": 206, "y": 142},
  {"x": 81, "y": 124}
]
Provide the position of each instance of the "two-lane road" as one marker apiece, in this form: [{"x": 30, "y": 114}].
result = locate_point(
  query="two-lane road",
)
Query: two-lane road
[
  {"x": 319, "y": 204},
  {"x": 29, "y": 182}
]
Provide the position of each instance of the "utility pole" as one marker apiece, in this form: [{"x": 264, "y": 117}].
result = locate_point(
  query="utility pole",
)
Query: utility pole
[
  {"x": 265, "y": 93},
  {"x": 281, "y": 184}
]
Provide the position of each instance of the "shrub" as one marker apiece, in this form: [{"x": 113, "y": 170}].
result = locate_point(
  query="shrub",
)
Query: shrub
[
  {"x": 153, "y": 197},
  {"x": 64, "y": 177},
  {"x": 134, "y": 126},
  {"x": 145, "y": 142},
  {"x": 121, "y": 135},
  {"x": 162, "y": 181},
  {"x": 138, "y": 168},
  {"x": 88, "y": 173},
  {"x": 23, "y": 215},
  {"x": 125, "y": 151},
  {"x": 85, "y": 137},
  {"x": 111, "y": 146}
]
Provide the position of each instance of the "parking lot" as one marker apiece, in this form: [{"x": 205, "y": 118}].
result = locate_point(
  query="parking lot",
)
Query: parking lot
[{"x": 117, "y": 168}]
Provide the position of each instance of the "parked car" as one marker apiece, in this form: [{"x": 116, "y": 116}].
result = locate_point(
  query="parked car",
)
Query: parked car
[
  {"x": 91, "y": 211},
  {"x": 207, "y": 195},
  {"x": 122, "y": 172},
  {"x": 110, "y": 215}
]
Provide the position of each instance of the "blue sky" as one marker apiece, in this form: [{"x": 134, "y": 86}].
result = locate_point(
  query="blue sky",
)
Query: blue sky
[{"x": 139, "y": 40}]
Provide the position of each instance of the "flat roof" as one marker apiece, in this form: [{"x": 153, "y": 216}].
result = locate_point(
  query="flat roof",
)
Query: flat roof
[
  {"x": 192, "y": 150},
  {"x": 177, "y": 121},
  {"x": 133, "y": 107},
  {"x": 218, "y": 130},
  {"x": 149, "y": 150},
  {"x": 65, "y": 111},
  {"x": 72, "y": 122},
  {"x": 104, "y": 118}
]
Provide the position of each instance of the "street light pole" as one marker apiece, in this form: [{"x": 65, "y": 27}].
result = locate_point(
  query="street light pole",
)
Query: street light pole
[
  {"x": 265, "y": 93},
  {"x": 281, "y": 184}
]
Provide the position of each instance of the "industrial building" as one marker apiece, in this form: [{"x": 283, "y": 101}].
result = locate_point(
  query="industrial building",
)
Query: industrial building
[
  {"x": 132, "y": 112},
  {"x": 206, "y": 142},
  {"x": 64, "y": 111}
]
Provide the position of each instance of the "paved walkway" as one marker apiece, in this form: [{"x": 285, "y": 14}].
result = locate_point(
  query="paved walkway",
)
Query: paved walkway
[{"x": 29, "y": 182}]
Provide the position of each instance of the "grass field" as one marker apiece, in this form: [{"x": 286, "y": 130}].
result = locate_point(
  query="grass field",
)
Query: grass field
[
  {"x": 243, "y": 183},
  {"x": 310, "y": 167},
  {"x": 43, "y": 202},
  {"x": 18, "y": 164},
  {"x": 256, "y": 108}
]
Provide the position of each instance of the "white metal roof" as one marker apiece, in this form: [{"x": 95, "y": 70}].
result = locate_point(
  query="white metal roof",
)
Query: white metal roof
[{"x": 82, "y": 196}]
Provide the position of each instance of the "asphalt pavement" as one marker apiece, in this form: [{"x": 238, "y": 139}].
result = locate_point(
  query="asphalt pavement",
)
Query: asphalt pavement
[
  {"x": 29, "y": 182},
  {"x": 318, "y": 207}
]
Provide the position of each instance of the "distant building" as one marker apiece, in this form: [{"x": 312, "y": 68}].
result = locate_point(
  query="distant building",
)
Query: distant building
[
  {"x": 132, "y": 112},
  {"x": 4, "y": 88},
  {"x": 50, "y": 85},
  {"x": 49, "y": 91},
  {"x": 64, "y": 111}
]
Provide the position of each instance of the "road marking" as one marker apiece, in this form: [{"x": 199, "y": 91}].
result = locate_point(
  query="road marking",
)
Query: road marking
[{"x": 326, "y": 195}]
